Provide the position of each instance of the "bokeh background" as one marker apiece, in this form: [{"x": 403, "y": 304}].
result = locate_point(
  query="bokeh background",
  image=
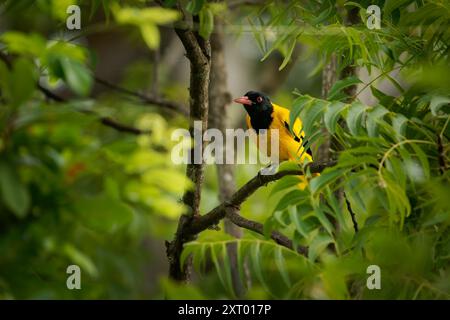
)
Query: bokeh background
[{"x": 77, "y": 192}]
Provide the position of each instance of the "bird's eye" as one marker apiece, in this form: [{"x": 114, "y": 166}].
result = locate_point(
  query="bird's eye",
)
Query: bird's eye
[{"x": 259, "y": 99}]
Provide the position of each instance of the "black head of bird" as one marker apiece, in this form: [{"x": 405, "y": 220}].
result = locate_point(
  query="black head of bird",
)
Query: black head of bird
[{"x": 258, "y": 107}]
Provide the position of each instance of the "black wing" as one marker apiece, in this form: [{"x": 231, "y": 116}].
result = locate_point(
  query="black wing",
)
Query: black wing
[
  {"x": 286, "y": 125},
  {"x": 296, "y": 138}
]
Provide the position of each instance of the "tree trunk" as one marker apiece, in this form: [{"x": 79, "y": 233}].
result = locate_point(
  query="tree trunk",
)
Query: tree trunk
[
  {"x": 329, "y": 75},
  {"x": 219, "y": 100},
  {"x": 198, "y": 53}
]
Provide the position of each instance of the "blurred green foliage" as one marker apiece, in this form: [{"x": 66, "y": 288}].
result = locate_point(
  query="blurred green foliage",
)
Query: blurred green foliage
[{"x": 75, "y": 192}]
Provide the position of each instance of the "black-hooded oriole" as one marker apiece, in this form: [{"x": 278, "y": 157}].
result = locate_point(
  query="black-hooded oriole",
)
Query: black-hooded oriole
[{"x": 263, "y": 114}]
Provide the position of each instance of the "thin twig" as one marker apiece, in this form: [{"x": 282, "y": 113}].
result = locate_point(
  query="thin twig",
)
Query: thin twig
[
  {"x": 161, "y": 102},
  {"x": 441, "y": 155},
  {"x": 258, "y": 227},
  {"x": 352, "y": 214},
  {"x": 107, "y": 121}
]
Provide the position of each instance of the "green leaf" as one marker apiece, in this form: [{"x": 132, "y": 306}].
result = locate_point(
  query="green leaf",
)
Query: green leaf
[
  {"x": 290, "y": 198},
  {"x": 79, "y": 258},
  {"x": 23, "y": 81},
  {"x": 437, "y": 102},
  {"x": 373, "y": 118},
  {"x": 299, "y": 104},
  {"x": 194, "y": 6},
  {"x": 140, "y": 17},
  {"x": 188, "y": 250},
  {"x": 383, "y": 98},
  {"x": 326, "y": 11},
  {"x": 397, "y": 169},
  {"x": 326, "y": 177},
  {"x": 332, "y": 115},
  {"x": 259, "y": 36},
  {"x": 214, "y": 258},
  {"x": 77, "y": 76},
  {"x": 21, "y": 43},
  {"x": 284, "y": 183},
  {"x": 169, "y": 3},
  {"x": 355, "y": 4},
  {"x": 5, "y": 77},
  {"x": 395, "y": 83},
  {"x": 279, "y": 217},
  {"x": 268, "y": 226},
  {"x": 255, "y": 256},
  {"x": 342, "y": 84},
  {"x": 399, "y": 122},
  {"x": 320, "y": 214},
  {"x": 354, "y": 116},
  {"x": 391, "y": 5},
  {"x": 281, "y": 265},
  {"x": 288, "y": 55},
  {"x": 104, "y": 213},
  {"x": 240, "y": 262},
  {"x": 281, "y": 38},
  {"x": 294, "y": 216},
  {"x": 150, "y": 34},
  {"x": 318, "y": 245},
  {"x": 206, "y": 22},
  {"x": 336, "y": 209},
  {"x": 227, "y": 269},
  {"x": 14, "y": 193},
  {"x": 423, "y": 159},
  {"x": 311, "y": 114}
]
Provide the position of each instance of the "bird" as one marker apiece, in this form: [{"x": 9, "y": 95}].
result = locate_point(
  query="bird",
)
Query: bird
[{"x": 262, "y": 114}]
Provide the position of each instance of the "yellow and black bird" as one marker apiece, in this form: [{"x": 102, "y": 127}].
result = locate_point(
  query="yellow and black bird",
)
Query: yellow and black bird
[{"x": 263, "y": 114}]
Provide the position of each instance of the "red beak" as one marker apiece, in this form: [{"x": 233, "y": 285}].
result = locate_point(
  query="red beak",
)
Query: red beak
[{"x": 244, "y": 100}]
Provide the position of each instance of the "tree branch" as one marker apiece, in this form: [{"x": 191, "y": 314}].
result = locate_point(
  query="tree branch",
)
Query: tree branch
[
  {"x": 219, "y": 99},
  {"x": 352, "y": 214},
  {"x": 218, "y": 213},
  {"x": 257, "y": 227},
  {"x": 107, "y": 121},
  {"x": 161, "y": 102},
  {"x": 194, "y": 225},
  {"x": 198, "y": 53}
]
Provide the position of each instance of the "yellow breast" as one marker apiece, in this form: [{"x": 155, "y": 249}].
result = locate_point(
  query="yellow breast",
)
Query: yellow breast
[{"x": 288, "y": 147}]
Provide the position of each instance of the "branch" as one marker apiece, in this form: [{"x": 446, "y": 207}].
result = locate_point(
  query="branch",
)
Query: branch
[
  {"x": 257, "y": 227},
  {"x": 352, "y": 214},
  {"x": 122, "y": 127},
  {"x": 219, "y": 99},
  {"x": 195, "y": 225},
  {"x": 161, "y": 102},
  {"x": 218, "y": 213},
  {"x": 198, "y": 53},
  {"x": 107, "y": 121}
]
